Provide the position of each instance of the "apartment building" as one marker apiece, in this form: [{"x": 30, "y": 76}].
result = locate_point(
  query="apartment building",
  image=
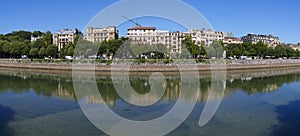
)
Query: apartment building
[
  {"x": 293, "y": 46},
  {"x": 149, "y": 35},
  {"x": 101, "y": 34},
  {"x": 65, "y": 36},
  {"x": 206, "y": 37},
  {"x": 232, "y": 40},
  {"x": 270, "y": 40}
]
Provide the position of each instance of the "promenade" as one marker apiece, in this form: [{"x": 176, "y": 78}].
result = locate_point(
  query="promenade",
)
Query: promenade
[{"x": 231, "y": 65}]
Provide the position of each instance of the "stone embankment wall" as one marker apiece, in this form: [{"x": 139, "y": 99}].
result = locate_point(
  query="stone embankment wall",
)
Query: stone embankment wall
[{"x": 233, "y": 65}]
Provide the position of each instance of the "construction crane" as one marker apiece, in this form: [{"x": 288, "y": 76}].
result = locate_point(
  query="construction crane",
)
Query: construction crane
[{"x": 136, "y": 23}]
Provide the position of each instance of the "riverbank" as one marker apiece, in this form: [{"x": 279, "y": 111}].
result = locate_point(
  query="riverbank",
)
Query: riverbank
[{"x": 232, "y": 65}]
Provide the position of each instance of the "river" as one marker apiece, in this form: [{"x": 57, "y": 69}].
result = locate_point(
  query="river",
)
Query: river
[{"x": 258, "y": 103}]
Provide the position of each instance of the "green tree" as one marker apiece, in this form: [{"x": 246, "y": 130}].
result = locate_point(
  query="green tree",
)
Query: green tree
[
  {"x": 42, "y": 52},
  {"x": 37, "y": 33},
  {"x": 25, "y": 48},
  {"x": 261, "y": 49},
  {"x": 18, "y": 36},
  {"x": 1, "y": 37},
  {"x": 6, "y": 48},
  {"x": 280, "y": 51},
  {"x": 47, "y": 38},
  {"x": 191, "y": 47},
  {"x": 290, "y": 52},
  {"x": 202, "y": 51},
  {"x": 52, "y": 51},
  {"x": 271, "y": 52},
  {"x": 237, "y": 52},
  {"x": 216, "y": 49},
  {"x": 89, "y": 52},
  {"x": 70, "y": 51},
  {"x": 15, "y": 48},
  {"x": 34, "y": 52}
]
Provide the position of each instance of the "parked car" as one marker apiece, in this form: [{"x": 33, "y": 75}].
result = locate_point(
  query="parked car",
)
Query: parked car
[
  {"x": 68, "y": 57},
  {"x": 24, "y": 57}
]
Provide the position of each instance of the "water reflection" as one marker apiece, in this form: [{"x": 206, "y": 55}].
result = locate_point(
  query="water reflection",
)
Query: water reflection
[
  {"x": 61, "y": 87},
  {"x": 265, "y": 99}
]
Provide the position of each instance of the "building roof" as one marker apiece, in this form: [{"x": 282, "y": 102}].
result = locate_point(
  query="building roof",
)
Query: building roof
[
  {"x": 233, "y": 38},
  {"x": 142, "y": 28},
  {"x": 68, "y": 31},
  {"x": 261, "y": 35}
]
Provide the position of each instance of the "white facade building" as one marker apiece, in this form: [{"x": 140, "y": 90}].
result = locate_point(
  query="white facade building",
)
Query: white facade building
[
  {"x": 232, "y": 40},
  {"x": 149, "y": 35},
  {"x": 206, "y": 37},
  {"x": 34, "y": 39},
  {"x": 63, "y": 37},
  {"x": 101, "y": 34}
]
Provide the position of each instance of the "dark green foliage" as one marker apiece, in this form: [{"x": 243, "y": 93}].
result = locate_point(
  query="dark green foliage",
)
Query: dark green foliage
[
  {"x": 260, "y": 50},
  {"x": 18, "y": 43}
]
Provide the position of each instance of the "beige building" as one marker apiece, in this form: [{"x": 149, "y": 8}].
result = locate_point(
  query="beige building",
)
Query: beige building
[
  {"x": 149, "y": 35},
  {"x": 63, "y": 37},
  {"x": 206, "y": 37},
  {"x": 101, "y": 34},
  {"x": 232, "y": 40},
  {"x": 294, "y": 46}
]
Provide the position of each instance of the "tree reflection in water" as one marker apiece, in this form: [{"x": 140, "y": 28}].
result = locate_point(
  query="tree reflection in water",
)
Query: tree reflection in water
[{"x": 62, "y": 87}]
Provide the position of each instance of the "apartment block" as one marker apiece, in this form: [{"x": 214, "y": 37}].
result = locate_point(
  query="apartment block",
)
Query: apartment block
[
  {"x": 65, "y": 36},
  {"x": 270, "y": 40},
  {"x": 101, "y": 34},
  {"x": 232, "y": 40},
  {"x": 149, "y": 35},
  {"x": 206, "y": 37}
]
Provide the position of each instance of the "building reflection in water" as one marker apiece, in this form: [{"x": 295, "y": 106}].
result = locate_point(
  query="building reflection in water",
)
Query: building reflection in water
[
  {"x": 172, "y": 92},
  {"x": 63, "y": 93},
  {"x": 62, "y": 87}
]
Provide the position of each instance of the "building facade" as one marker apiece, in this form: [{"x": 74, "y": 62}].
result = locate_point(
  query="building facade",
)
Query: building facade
[
  {"x": 269, "y": 40},
  {"x": 63, "y": 37},
  {"x": 293, "y": 46},
  {"x": 206, "y": 37},
  {"x": 232, "y": 40},
  {"x": 34, "y": 39},
  {"x": 149, "y": 35},
  {"x": 101, "y": 34}
]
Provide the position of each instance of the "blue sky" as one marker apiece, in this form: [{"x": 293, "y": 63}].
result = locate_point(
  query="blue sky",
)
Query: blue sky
[{"x": 279, "y": 17}]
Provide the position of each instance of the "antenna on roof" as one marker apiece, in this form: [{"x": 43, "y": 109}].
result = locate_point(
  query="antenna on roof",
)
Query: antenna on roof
[{"x": 136, "y": 23}]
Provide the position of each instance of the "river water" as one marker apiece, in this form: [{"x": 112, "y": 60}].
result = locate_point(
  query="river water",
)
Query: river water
[{"x": 254, "y": 103}]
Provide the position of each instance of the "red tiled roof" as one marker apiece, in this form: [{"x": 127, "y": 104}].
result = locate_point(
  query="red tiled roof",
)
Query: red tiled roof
[{"x": 142, "y": 28}]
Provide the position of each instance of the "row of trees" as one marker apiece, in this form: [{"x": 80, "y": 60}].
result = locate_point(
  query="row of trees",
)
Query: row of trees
[
  {"x": 83, "y": 48},
  {"x": 261, "y": 50},
  {"x": 18, "y": 43},
  {"x": 217, "y": 48}
]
